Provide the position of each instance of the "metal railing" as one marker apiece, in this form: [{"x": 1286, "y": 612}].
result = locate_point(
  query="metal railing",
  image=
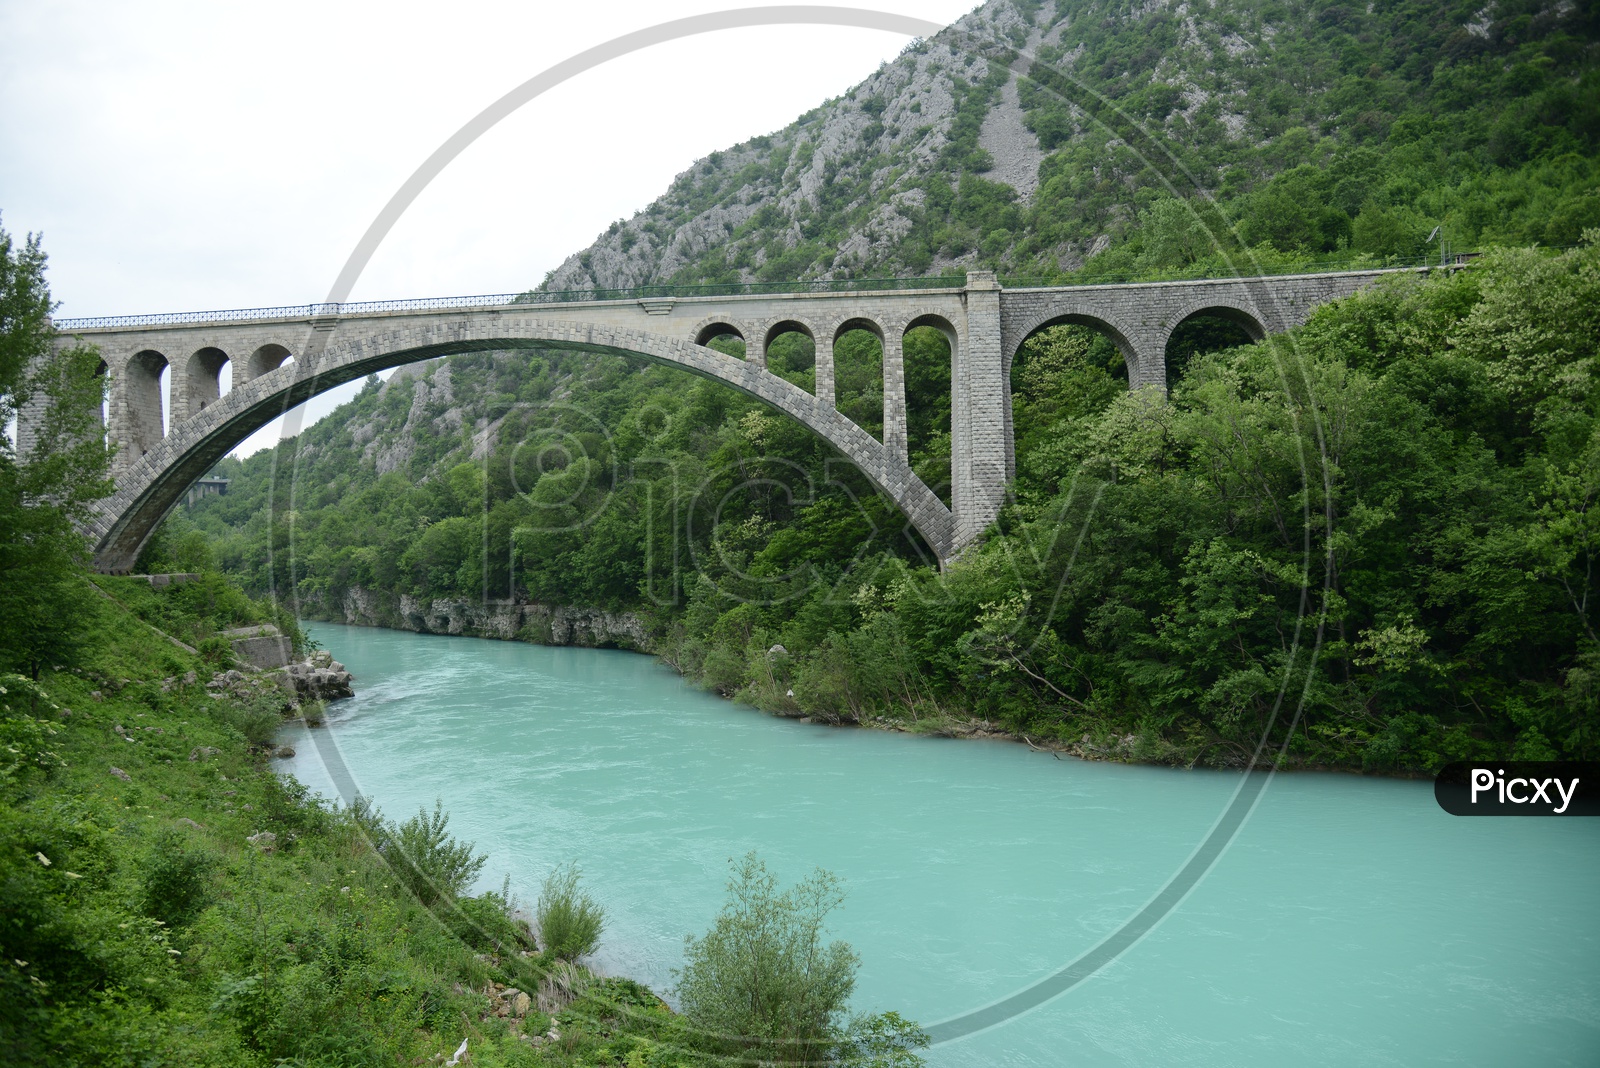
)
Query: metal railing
[
  {"x": 500, "y": 300},
  {"x": 1281, "y": 270},
  {"x": 289, "y": 311},
  {"x": 659, "y": 292}
]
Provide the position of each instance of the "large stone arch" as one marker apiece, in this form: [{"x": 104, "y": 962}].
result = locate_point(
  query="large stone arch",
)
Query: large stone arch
[
  {"x": 1244, "y": 313},
  {"x": 154, "y": 482},
  {"x": 1082, "y": 313}
]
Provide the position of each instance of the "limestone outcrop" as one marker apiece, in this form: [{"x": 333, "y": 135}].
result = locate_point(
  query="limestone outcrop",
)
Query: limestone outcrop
[
  {"x": 505, "y": 620},
  {"x": 318, "y": 678}
]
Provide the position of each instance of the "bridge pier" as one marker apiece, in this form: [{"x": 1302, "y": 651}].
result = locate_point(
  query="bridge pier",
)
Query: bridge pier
[
  {"x": 823, "y": 370},
  {"x": 980, "y": 413},
  {"x": 894, "y": 396}
]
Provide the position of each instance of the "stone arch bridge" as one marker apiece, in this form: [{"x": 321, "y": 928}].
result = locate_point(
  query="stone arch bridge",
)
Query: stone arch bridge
[{"x": 281, "y": 357}]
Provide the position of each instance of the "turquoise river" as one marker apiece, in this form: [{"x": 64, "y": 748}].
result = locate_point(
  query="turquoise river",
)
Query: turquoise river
[{"x": 1351, "y": 922}]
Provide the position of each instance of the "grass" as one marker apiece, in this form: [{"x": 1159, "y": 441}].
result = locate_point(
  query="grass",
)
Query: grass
[{"x": 140, "y": 924}]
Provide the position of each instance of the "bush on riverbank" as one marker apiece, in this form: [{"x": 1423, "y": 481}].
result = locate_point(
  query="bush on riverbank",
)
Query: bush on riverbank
[
  {"x": 762, "y": 985},
  {"x": 570, "y": 921}
]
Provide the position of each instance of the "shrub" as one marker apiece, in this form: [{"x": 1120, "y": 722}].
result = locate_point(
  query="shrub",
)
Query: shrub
[
  {"x": 761, "y": 982},
  {"x": 432, "y": 862},
  {"x": 217, "y": 653},
  {"x": 259, "y": 725},
  {"x": 570, "y": 921},
  {"x": 424, "y": 856},
  {"x": 489, "y": 921},
  {"x": 176, "y": 885},
  {"x": 257, "y": 714}
]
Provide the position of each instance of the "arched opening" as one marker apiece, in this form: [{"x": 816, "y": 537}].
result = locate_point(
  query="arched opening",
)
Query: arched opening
[
  {"x": 203, "y": 380},
  {"x": 858, "y": 375},
  {"x": 722, "y": 337},
  {"x": 142, "y": 396},
  {"x": 927, "y": 351},
  {"x": 1066, "y": 371},
  {"x": 1208, "y": 330},
  {"x": 265, "y": 359},
  {"x": 791, "y": 351}
]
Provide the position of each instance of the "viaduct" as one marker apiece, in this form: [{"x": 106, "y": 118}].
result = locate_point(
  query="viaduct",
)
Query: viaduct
[{"x": 282, "y": 357}]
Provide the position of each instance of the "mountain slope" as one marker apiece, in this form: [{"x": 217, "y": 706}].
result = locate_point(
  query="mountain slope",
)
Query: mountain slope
[{"x": 1031, "y": 138}]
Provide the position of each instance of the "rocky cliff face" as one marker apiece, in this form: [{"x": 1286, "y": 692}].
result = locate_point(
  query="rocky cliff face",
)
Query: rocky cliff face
[
  {"x": 855, "y": 165},
  {"x": 940, "y": 160},
  {"x": 504, "y": 620}
]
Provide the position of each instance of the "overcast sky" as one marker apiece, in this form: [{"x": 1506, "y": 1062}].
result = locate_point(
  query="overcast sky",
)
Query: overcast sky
[{"x": 180, "y": 156}]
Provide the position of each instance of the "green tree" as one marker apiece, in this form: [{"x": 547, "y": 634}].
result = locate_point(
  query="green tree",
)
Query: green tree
[
  {"x": 44, "y": 600},
  {"x": 764, "y": 983}
]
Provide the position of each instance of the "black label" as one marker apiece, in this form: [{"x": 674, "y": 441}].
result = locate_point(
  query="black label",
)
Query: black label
[{"x": 1519, "y": 788}]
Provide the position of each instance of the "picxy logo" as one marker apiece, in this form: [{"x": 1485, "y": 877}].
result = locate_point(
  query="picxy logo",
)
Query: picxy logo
[
  {"x": 1519, "y": 788},
  {"x": 1522, "y": 791}
]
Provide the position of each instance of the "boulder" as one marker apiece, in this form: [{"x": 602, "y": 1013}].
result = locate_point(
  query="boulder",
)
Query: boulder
[
  {"x": 313, "y": 683},
  {"x": 118, "y": 773},
  {"x": 265, "y": 841}
]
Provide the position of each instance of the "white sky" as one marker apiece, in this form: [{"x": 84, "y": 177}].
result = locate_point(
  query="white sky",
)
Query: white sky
[{"x": 180, "y": 156}]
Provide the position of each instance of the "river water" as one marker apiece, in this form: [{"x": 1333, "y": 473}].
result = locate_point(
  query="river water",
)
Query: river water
[{"x": 1350, "y": 922}]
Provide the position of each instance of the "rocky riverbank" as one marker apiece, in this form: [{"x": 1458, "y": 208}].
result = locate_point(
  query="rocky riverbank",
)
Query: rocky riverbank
[
  {"x": 508, "y": 620},
  {"x": 319, "y": 677}
]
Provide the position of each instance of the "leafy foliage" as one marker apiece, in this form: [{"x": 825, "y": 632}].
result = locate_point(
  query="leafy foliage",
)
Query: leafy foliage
[
  {"x": 175, "y": 881},
  {"x": 425, "y": 857},
  {"x": 570, "y": 921},
  {"x": 44, "y": 602},
  {"x": 764, "y": 985}
]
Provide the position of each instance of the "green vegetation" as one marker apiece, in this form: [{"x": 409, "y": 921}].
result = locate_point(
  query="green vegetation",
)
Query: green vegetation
[
  {"x": 570, "y": 921},
  {"x": 169, "y": 899},
  {"x": 763, "y": 985},
  {"x": 44, "y": 606},
  {"x": 1358, "y": 133}
]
